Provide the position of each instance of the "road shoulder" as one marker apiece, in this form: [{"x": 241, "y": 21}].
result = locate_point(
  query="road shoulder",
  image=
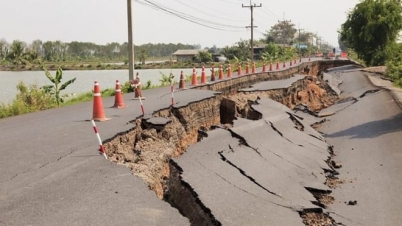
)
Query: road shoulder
[{"x": 376, "y": 78}]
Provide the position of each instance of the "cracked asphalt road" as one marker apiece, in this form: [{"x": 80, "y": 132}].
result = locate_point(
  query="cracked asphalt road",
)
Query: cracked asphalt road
[
  {"x": 257, "y": 172},
  {"x": 367, "y": 140}
]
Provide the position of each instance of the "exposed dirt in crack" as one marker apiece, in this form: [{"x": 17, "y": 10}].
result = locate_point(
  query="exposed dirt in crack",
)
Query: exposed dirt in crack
[
  {"x": 182, "y": 196},
  {"x": 317, "y": 218},
  {"x": 308, "y": 95},
  {"x": 148, "y": 150}
]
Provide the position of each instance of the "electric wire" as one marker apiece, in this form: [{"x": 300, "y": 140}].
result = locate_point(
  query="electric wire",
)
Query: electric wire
[
  {"x": 193, "y": 19},
  {"x": 218, "y": 11},
  {"x": 191, "y": 7}
]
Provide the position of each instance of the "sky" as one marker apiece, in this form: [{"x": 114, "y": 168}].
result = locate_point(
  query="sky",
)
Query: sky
[{"x": 105, "y": 21}]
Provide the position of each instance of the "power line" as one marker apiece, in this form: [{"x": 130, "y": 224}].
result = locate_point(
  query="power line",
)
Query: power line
[
  {"x": 299, "y": 37},
  {"x": 270, "y": 13},
  {"x": 191, "y": 7},
  {"x": 284, "y": 22},
  {"x": 252, "y": 6},
  {"x": 215, "y": 9},
  {"x": 178, "y": 13},
  {"x": 193, "y": 19}
]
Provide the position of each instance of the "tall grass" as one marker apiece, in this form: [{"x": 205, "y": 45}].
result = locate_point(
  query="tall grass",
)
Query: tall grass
[
  {"x": 32, "y": 98},
  {"x": 28, "y": 99}
]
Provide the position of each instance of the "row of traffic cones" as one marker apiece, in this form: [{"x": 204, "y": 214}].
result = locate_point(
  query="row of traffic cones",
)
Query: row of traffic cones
[{"x": 98, "y": 113}]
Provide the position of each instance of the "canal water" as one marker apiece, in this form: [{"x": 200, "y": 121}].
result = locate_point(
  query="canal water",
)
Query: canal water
[{"x": 85, "y": 79}]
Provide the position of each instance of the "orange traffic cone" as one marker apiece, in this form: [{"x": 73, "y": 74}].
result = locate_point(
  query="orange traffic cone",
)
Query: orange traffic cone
[
  {"x": 277, "y": 64},
  {"x": 239, "y": 72},
  {"x": 229, "y": 71},
  {"x": 247, "y": 69},
  {"x": 270, "y": 66},
  {"x": 98, "y": 114},
  {"x": 212, "y": 74},
  {"x": 118, "y": 98},
  {"x": 194, "y": 78},
  {"x": 182, "y": 83},
  {"x": 253, "y": 70},
  {"x": 264, "y": 67},
  {"x": 221, "y": 76},
  {"x": 203, "y": 76}
]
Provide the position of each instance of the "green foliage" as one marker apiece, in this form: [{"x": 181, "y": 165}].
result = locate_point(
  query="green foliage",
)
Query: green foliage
[
  {"x": 203, "y": 56},
  {"x": 142, "y": 56},
  {"x": 166, "y": 79},
  {"x": 148, "y": 85},
  {"x": 394, "y": 65},
  {"x": 273, "y": 52},
  {"x": 394, "y": 72},
  {"x": 127, "y": 88},
  {"x": 188, "y": 78},
  {"x": 281, "y": 33},
  {"x": 371, "y": 28},
  {"x": 28, "y": 99},
  {"x": 83, "y": 97},
  {"x": 55, "y": 89},
  {"x": 240, "y": 51}
]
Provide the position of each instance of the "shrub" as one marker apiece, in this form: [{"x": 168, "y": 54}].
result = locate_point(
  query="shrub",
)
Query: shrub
[
  {"x": 28, "y": 99},
  {"x": 126, "y": 88},
  {"x": 394, "y": 72}
]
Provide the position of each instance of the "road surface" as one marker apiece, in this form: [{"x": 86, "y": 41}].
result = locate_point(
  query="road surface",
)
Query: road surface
[{"x": 367, "y": 135}]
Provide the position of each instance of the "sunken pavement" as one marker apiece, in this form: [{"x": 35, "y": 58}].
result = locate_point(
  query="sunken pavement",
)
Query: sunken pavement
[{"x": 238, "y": 151}]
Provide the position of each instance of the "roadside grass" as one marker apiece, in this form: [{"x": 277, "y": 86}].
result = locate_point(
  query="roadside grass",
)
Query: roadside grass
[{"x": 32, "y": 98}]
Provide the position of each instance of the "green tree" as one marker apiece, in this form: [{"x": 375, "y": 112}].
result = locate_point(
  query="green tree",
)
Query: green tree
[
  {"x": 281, "y": 33},
  {"x": 16, "y": 53},
  {"x": 3, "y": 49},
  {"x": 56, "y": 88},
  {"x": 271, "y": 52},
  {"x": 204, "y": 56},
  {"x": 142, "y": 56},
  {"x": 240, "y": 51},
  {"x": 371, "y": 28}
]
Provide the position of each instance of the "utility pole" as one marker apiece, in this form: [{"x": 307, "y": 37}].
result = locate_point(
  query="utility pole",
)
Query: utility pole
[
  {"x": 299, "y": 38},
  {"x": 252, "y": 6},
  {"x": 130, "y": 43},
  {"x": 284, "y": 21}
]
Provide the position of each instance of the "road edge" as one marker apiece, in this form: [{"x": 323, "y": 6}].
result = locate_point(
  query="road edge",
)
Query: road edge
[{"x": 376, "y": 80}]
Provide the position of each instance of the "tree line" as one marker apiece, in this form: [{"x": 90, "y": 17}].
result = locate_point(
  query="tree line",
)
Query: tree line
[
  {"x": 282, "y": 42},
  {"x": 18, "y": 52}
]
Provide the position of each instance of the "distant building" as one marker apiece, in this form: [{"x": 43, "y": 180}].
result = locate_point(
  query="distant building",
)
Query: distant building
[
  {"x": 190, "y": 55},
  {"x": 258, "y": 49},
  {"x": 187, "y": 54}
]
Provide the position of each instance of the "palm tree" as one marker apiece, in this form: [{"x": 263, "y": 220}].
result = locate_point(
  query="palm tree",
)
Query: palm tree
[
  {"x": 142, "y": 55},
  {"x": 17, "y": 54}
]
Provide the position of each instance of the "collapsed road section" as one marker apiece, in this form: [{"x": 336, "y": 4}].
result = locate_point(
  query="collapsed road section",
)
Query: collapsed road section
[{"x": 237, "y": 157}]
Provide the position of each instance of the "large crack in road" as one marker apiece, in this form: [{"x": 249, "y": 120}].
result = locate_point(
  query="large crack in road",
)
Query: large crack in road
[{"x": 289, "y": 164}]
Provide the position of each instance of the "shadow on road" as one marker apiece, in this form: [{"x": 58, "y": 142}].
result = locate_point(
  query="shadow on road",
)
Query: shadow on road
[{"x": 372, "y": 129}]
